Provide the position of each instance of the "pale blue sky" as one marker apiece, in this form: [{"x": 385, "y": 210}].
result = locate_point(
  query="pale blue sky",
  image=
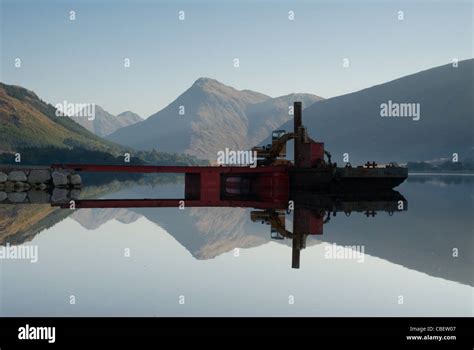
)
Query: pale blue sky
[{"x": 82, "y": 60}]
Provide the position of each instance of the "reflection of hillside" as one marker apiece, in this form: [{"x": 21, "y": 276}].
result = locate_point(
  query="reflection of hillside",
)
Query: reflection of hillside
[
  {"x": 209, "y": 232},
  {"x": 425, "y": 251},
  {"x": 92, "y": 219},
  {"x": 442, "y": 180},
  {"x": 20, "y": 223},
  {"x": 205, "y": 232},
  {"x": 224, "y": 230},
  {"x": 438, "y": 220}
]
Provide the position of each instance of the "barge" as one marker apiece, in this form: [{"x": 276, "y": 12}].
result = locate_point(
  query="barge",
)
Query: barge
[{"x": 312, "y": 169}]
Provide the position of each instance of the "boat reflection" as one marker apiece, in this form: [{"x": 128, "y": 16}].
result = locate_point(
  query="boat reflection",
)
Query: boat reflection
[{"x": 310, "y": 210}]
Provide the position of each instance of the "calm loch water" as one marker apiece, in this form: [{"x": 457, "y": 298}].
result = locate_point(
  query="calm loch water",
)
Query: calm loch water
[{"x": 217, "y": 262}]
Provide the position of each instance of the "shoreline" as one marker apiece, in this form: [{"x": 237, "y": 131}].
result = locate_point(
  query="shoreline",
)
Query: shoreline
[{"x": 441, "y": 174}]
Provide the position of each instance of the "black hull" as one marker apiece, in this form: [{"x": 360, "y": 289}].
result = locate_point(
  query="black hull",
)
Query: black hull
[{"x": 350, "y": 180}]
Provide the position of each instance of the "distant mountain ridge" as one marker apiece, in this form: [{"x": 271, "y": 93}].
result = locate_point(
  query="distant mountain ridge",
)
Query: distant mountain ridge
[
  {"x": 131, "y": 116},
  {"x": 213, "y": 116},
  {"x": 105, "y": 123},
  {"x": 353, "y": 124}
]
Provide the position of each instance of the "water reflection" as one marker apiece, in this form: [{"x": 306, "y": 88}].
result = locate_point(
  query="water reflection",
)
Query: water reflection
[
  {"x": 422, "y": 238},
  {"x": 313, "y": 210},
  {"x": 310, "y": 209}
]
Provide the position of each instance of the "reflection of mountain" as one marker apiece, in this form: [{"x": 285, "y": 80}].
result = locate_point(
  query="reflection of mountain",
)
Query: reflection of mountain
[
  {"x": 214, "y": 116},
  {"x": 438, "y": 220},
  {"x": 224, "y": 229},
  {"x": 412, "y": 239},
  {"x": 92, "y": 219},
  {"x": 204, "y": 232},
  {"x": 209, "y": 232},
  {"x": 352, "y": 123},
  {"x": 22, "y": 222},
  {"x": 442, "y": 180}
]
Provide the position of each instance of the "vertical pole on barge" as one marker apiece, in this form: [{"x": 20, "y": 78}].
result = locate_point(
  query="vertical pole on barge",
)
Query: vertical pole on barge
[
  {"x": 297, "y": 124},
  {"x": 297, "y": 120}
]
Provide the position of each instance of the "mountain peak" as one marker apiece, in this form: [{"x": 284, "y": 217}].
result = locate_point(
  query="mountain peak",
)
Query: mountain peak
[
  {"x": 214, "y": 87},
  {"x": 126, "y": 112},
  {"x": 209, "y": 84},
  {"x": 217, "y": 116},
  {"x": 105, "y": 123},
  {"x": 131, "y": 115},
  {"x": 206, "y": 80}
]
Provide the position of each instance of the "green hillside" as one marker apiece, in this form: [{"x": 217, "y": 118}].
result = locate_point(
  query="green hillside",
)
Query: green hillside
[
  {"x": 30, "y": 127},
  {"x": 27, "y": 121}
]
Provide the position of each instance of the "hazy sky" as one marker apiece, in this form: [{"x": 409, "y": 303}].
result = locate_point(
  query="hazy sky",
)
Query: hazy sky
[{"x": 83, "y": 60}]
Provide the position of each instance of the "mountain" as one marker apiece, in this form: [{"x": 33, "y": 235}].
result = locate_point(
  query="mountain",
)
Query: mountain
[
  {"x": 27, "y": 121},
  {"x": 106, "y": 123},
  {"x": 352, "y": 123},
  {"x": 130, "y": 117},
  {"x": 216, "y": 116}
]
